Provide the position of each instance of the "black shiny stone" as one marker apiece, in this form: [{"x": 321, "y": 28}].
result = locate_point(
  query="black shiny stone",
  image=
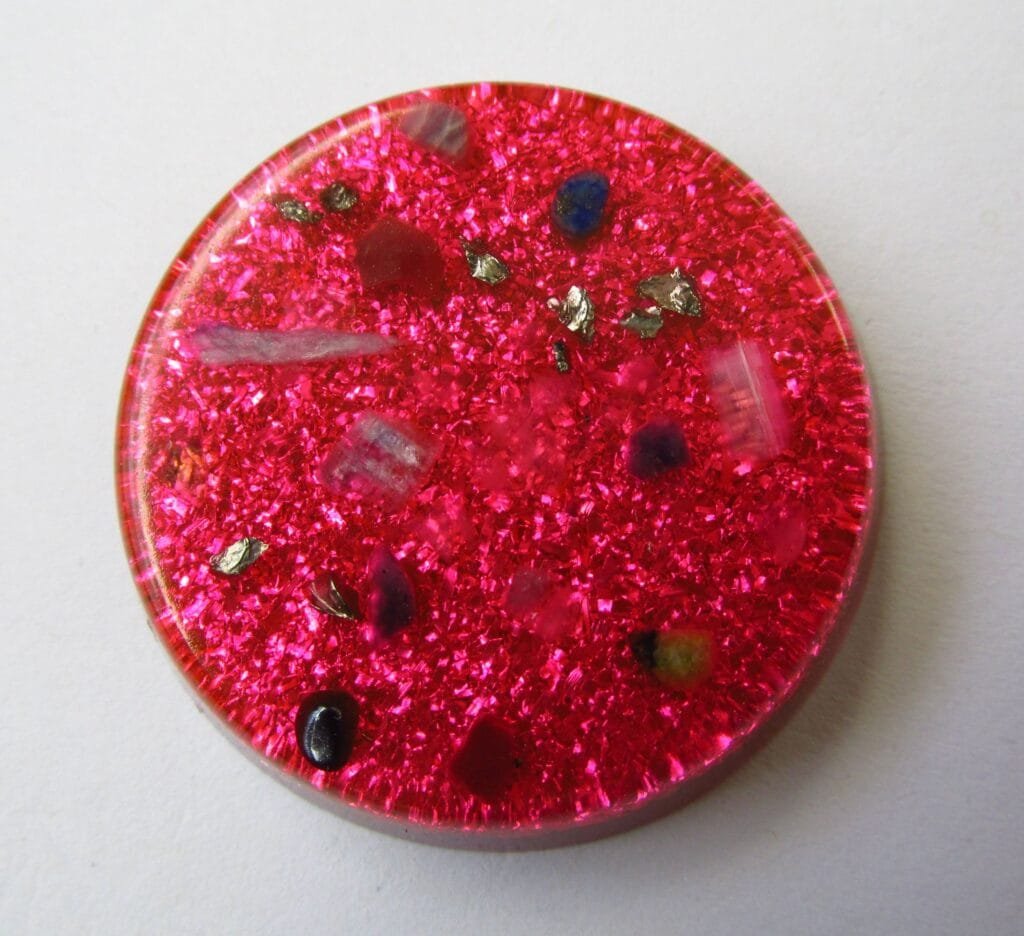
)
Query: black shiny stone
[
  {"x": 655, "y": 448},
  {"x": 325, "y": 728}
]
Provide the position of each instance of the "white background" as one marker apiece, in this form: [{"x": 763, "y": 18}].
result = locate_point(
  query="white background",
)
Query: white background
[{"x": 892, "y": 804}]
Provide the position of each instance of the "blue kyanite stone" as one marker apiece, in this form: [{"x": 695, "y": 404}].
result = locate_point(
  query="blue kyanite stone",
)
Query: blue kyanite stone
[{"x": 579, "y": 203}]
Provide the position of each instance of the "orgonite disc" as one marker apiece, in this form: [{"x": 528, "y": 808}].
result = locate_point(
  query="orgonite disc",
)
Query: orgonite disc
[{"x": 496, "y": 461}]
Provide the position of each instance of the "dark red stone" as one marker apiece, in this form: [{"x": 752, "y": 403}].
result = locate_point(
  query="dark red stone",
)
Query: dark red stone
[
  {"x": 486, "y": 763},
  {"x": 393, "y": 253},
  {"x": 392, "y": 598}
]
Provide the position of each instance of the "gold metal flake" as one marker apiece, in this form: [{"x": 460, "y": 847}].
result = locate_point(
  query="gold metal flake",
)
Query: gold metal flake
[
  {"x": 327, "y": 596},
  {"x": 673, "y": 292},
  {"x": 238, "y": 556},
  {"x": 644, "y": 322},
  {"x": 576, "y": 312},
  {"x": 338, "y": 198},
  {"x": 484, "y": 266},
  {"x": 293, "y": 210}
]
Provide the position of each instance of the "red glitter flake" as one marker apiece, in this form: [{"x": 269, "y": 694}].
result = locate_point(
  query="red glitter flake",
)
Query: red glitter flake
[{"x": 534, "y": 552}]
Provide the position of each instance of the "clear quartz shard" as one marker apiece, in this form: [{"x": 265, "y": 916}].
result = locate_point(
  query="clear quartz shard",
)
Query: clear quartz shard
[
  {"x": 437, "y": 126},
  {"x": 218, "y": 343},
  {"x": 238, "y": 556},
  {"x": 484, "y": 266},
  {"x": 749, "y": 402},
  {"x": 673, "y": 292},
  {"x": 644, "y": 322},
  {"x": 576, "y": 312},
  {"x": 383, "y": 456}
]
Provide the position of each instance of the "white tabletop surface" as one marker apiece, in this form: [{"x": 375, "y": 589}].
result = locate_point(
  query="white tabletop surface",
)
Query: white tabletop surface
[{"x": 893, "y": 803}]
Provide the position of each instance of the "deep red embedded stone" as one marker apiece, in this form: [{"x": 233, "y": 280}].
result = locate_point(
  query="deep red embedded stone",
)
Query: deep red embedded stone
[
  {"x": 486, "y": 763},
  {"x": 392, "y": 598},
  {"x": 394, "y": 253}
]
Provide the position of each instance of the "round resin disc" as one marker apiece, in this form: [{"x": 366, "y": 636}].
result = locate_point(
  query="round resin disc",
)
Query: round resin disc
[{"x": 496, "y": 462}]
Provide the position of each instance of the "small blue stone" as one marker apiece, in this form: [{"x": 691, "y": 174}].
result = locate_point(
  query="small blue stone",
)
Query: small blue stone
[{"x": 579, "y": 204}]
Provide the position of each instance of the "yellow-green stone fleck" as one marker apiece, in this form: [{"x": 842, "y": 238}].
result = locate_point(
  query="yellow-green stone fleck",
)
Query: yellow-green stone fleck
[{"x": 682, "y": 656}]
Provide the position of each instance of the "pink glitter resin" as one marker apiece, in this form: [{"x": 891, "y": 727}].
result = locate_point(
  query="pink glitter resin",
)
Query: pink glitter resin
[{"x": 532, "y": 552}]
